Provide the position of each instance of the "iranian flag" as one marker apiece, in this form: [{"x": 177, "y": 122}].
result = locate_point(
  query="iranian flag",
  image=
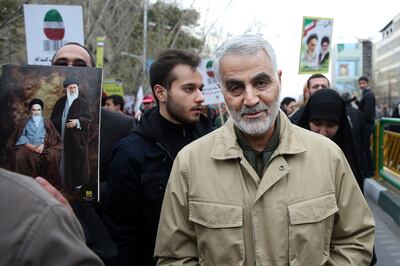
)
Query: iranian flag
[
  {"x": 309, "y": 24},
  {"x": 210, "y": 69},
  {"x": 53, "y": 25}
]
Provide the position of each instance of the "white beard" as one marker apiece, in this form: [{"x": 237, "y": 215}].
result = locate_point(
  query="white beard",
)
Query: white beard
[
  {"x": 256, "y": 127},
  {"x": 36, "y": 119},
  {"x": 72, "y": 97}
]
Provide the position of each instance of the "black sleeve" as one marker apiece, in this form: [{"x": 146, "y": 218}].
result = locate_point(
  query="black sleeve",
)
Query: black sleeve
[
  {"x": 368, "y": 107},
  {"x": 122, "y": 207}
]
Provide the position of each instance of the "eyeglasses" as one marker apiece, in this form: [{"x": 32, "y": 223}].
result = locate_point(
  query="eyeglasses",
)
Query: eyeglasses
[{"x": 65, "y": 62}]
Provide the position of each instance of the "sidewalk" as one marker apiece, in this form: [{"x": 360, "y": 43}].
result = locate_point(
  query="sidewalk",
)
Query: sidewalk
[{"x": 385, "y": 196}]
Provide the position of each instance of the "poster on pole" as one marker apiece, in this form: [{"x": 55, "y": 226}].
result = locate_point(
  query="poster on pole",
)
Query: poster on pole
[
  {"x": 48, "y": 27},
  {"x": 211, "y": 92},
  {"x": 315, "y": 45}
]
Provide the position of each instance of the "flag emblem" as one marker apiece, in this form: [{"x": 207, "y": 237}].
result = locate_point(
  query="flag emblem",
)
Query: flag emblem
[
  {"x": 210, "y": 69},
  {"x": 53, "y": 25}
]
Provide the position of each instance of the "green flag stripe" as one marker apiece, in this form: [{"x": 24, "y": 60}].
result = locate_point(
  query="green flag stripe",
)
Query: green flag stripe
[{"x": 53, "y": 15}]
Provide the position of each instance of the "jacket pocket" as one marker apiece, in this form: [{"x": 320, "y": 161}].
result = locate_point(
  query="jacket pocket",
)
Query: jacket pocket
[
  {"x": 310, "y": 229},
  {"x": 219, "y": 231}
]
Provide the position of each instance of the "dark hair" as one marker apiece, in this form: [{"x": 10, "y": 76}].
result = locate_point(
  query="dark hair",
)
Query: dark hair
[
  {"x": 312, "y": 36},
  {"x": 36, "y": 101},
  {"x": 117, "y": 100},
  {"x": 325, "y": 39},
  {"x": 364, "y": 78},
  {"x": 161, "y": 68},
  {"x": 286, "y": 101},
  {"x": 92, "y": 62},
  {"x": 315, "y": 76}
]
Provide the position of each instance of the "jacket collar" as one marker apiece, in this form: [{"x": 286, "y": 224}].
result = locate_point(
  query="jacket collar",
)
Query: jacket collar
[{"x": 226, "y": 146}]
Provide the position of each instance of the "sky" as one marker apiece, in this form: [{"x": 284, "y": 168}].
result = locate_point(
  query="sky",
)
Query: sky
[{"x": 280, "y": 22}]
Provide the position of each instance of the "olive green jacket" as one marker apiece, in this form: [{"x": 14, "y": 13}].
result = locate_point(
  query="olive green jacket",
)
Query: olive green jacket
[{"x": 307, "y": 209}]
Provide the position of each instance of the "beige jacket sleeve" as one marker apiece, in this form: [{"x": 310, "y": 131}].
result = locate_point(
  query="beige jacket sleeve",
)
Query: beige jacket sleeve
[
  {"x": 176, "y": 239},
  {"x": 56, "y": 238},
  {"x": 354, "y": 228}
]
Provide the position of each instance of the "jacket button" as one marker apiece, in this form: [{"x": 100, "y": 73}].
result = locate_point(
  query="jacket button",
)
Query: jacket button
[{"x": 281, "y": 167}]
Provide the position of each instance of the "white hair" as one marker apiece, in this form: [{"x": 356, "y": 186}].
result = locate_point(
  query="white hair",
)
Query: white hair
[{"x": 243, "y": 45}]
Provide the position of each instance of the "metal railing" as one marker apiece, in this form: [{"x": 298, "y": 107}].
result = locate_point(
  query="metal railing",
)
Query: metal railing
[{"x": 387, "y": 151}]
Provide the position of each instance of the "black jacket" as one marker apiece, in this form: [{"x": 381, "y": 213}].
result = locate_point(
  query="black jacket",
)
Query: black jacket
[
  {"x": 139, "y": 173},
  {"x": 367, "y": 106}
]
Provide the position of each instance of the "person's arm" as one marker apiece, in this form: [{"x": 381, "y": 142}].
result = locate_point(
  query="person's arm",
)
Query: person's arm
[
  {"x": 56, "y": 238},
  {"x": 53, "y": 192},
  {"x": 122, "y": 208},
  {"x": 23, "y": 140},
  {"x": 354, "y": 227},
  {"x": 176, "y": 238}
]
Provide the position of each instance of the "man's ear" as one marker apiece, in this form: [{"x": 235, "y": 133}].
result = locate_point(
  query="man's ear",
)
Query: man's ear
[
  {"x": 160, "y": 92},
  {"x": 280, "y": 75}
]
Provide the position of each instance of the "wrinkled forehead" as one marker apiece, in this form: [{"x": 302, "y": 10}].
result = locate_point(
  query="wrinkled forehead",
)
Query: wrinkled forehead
[
  {"x": 36, "y": 107},
  {"x": 72, "y": 53}
]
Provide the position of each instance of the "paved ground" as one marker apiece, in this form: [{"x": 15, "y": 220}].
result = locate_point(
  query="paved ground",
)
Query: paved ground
[{"x": 387, "y": 241}]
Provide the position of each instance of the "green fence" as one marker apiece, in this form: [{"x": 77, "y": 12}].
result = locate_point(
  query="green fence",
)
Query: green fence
[{"x": 387, "y": 151}]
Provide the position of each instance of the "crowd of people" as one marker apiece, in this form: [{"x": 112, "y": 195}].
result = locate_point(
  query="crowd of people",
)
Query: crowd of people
[{"x": 273, "y": 183}]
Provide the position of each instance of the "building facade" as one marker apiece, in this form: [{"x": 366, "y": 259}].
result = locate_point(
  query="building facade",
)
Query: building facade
[{"x": 387, "y": 65}]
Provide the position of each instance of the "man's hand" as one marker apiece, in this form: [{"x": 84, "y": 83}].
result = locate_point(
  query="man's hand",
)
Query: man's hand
[
  {"x": 71, "y": 124},
  {"x": 53, "y": 192},
  {"x": 39, "y": 149}
]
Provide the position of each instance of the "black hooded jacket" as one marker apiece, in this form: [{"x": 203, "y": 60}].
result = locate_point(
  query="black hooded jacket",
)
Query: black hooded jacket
[{"x": 139, "y": 173}]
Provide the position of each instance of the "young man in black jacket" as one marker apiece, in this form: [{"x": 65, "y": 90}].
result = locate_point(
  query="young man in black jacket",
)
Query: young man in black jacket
[
  {"x": 142, "y": 162},
  {"x": 367, "y": 106}
]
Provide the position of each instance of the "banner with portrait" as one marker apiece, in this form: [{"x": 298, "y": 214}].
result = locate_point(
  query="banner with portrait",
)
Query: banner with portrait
[
  {"x": 50, "y": 126},
  {"x": 315, "y": 45}
]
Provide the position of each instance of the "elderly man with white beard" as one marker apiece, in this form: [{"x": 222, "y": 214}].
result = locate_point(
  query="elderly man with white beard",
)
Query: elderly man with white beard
[
  {"x": 71, "y": 117},
  {"x": 259, "y": 190},
  {"x": 35, "y": 146}
]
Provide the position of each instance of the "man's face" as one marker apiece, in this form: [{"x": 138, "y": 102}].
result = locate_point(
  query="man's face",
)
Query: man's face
[
  {"x": 290, "y": 107},
  {"x": 111, "y": 106},
  {"x": 72, "y": 89},
  {"x": 317, "y": 84},
  {"x": 72, "y": 55},
  {"x": 251, "y": 90},
  {"x": 363, "y": 84},
  {"x": 147, "y": 105},
  {"x": 184, "y": 98},
  {"x": 325, "y": 46},
  {"x": 312, "y": 44},
  {"x": 36, "y": 110}
]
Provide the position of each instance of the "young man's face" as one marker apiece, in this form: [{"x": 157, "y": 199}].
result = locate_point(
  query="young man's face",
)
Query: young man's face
[
  {"x": 72, "y": 55},
  {"x": 111, "y": 106},
  {"x": 317, "y": 84},
  {"x": 363, "y": 84},
  {"x": 251, "y": 90},
  {"x": 184, "y": 97},
  {"x": 36, "y": 110}
]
